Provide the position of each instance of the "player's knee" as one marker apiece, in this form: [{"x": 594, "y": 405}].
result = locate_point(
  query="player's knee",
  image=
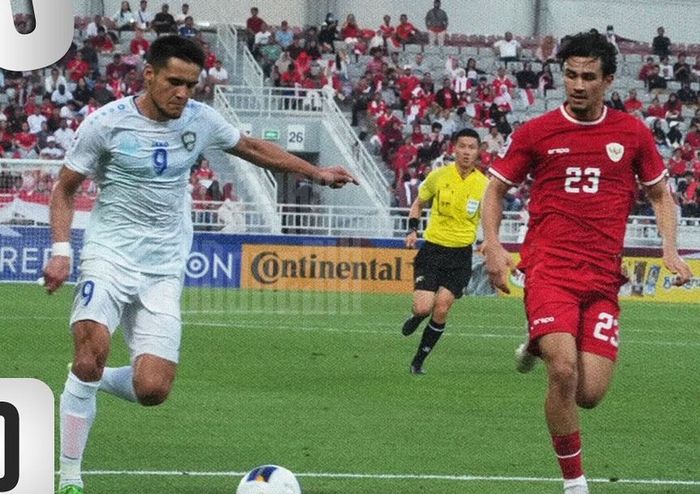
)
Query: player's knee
[
  {"x": 589, "y": 400},
  {"x": 440, "y": 312},
  {"x": 151, "y": 392},
  {"x": 421, "y": 310},
  {"x": 88, "y": 367},
  {"x": 563, "y": 375}
]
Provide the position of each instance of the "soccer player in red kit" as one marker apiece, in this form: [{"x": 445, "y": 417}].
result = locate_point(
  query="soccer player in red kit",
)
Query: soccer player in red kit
[{"x": 584, "y": 160}]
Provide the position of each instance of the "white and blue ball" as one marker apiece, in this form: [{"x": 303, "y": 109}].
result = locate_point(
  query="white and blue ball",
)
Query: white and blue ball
[{"x": 269, "y": 479}]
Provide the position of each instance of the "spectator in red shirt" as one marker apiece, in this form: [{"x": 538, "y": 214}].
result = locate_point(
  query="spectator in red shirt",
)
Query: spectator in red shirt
[
  {"x": 677, "y": 166},
  {"x": 673, "y": 108},
  {"x": 77, "y": 67},
  {"x": 502, "y": 79},
  {"x": 632, "y": 104},
  {"x": 406, "y": 84},
  {"x": 695, "y": 165},
  {"x": 139, "y": 45},
  {"x": 26, "y": 141},
  {"x": 446, "y": 97},
  {"x": 253, "y": 26},
  {"x": 391, "y": 40},
  {"x": 405, "y": 31},
  {"x": 693, "y": 136},
  {"x": 404, "y": 157},
  {"x": 655, "y": 109},
  {"x": 646, "y": 70},
  {"x": 350, "y": 29},
  {"x": 117, "y": 69}
]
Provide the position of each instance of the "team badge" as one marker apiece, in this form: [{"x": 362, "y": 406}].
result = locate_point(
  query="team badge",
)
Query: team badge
[
  {"x": 188, "y": 140},
  {"x": 615, "y": 151}
]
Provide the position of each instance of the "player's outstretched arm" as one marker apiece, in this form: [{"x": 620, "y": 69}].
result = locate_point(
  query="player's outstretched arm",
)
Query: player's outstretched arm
[
  {"x": 268, "y": 155},
  {"x": 61, "y": 211},
  {"x": 666, "y": 223},
  {"x": 499, "y": 263}
]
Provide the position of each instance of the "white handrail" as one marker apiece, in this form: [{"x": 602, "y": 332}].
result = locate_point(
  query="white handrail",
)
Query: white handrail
[
  {"x": 265, "y": 178},
  {"x": 227, "y": 45},
  {"x": 270, "y": 101}
]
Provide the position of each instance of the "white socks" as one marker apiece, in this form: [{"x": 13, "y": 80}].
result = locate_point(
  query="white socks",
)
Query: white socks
[
  {"x": 77, "y": 412},
  {"x": 119, "y": 381},
  {"x": 576, "y": 486}
]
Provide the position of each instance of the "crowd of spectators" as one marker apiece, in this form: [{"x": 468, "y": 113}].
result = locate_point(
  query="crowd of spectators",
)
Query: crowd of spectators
[
  {"x": 406, "y": 109},
  {"x": 40, "y": 110},
  {"x": 402, "y": 104}
]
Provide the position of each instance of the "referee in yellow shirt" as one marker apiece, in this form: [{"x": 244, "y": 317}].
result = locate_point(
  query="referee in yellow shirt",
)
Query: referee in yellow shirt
[{"x": 443, "y": 264}]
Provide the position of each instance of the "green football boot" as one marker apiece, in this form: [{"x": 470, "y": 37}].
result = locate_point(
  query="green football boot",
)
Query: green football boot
[{"x": 70, "y": 489}]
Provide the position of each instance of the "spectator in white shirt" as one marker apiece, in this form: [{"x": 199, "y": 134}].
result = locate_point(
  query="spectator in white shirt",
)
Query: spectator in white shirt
[
  {"x": 51, "y": 151},
  {"x": 143, "y": 17},
  {"x": 180, "y": 18},
  {"x": 61, "y": 96},
  {"x": 508, "y": 49},
  {"x": 218, "y": 74},
  {"x": 35, "y": 120},
  {"x": 52, "y": 81},
  {"x": 91, "y": 31},
  {"x": 263, "y": 37},
  {"x": 64, "y": 134}
]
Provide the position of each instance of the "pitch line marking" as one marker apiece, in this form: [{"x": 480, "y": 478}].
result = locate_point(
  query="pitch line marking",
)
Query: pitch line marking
[
  {"x": 331, "y": 329},
  {"x": 391, "y": 476}
]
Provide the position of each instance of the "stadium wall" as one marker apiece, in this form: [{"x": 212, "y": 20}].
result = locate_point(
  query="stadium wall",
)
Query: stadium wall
[{"x": 322, "y": 264}]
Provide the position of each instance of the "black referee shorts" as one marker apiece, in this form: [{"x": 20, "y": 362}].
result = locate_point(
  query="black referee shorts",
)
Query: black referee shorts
[{"x": 435, "y": 266}]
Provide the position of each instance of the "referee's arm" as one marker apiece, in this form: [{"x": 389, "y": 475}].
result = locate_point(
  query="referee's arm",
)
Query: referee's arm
[{"x": 414, "y": 222}]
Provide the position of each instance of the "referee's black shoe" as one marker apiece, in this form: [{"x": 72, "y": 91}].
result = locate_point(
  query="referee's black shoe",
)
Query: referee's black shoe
[
  {"x": 410, "y": 326},
  {"x": 416, "y": 371}
]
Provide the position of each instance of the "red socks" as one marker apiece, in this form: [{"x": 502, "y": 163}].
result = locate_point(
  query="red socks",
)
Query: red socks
[{"x": 568, "y": 450}]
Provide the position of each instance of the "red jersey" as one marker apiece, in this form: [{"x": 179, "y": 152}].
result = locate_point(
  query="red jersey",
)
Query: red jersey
[
  {"x": 404, "y": 31},
  {"x": 77, "y": 69},
  {"x": 139, "y": 46},
  {"x": 694, "y": 139},
  {"x": 677, "y": 167},
  {"x": 584, "y": 183}
]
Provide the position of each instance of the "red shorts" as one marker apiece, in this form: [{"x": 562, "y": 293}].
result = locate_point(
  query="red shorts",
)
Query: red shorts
[{"x": 582, "y": 301}]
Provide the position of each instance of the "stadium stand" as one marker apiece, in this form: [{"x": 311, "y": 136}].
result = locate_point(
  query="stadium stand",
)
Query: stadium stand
[{"x": 402, "y": 98}]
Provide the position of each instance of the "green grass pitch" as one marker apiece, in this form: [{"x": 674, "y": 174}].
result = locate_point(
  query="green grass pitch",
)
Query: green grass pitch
[{"x": 319, "y": 383}]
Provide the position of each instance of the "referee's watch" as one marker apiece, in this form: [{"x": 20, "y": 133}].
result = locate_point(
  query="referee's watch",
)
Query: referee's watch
[{"x": 413, "y": 224}]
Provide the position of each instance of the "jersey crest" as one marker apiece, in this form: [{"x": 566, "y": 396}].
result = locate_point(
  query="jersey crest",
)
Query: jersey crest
[
  {"x": 189, "y": 139},
  {"x": 615, "y": 151}
]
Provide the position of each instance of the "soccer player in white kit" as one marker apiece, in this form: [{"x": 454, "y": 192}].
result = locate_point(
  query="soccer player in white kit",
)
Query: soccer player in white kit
[{"x": 139, "y": 150}]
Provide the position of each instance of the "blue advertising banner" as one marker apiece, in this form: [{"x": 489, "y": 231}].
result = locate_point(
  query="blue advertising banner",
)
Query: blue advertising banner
[{"x": 215, "y": 259}]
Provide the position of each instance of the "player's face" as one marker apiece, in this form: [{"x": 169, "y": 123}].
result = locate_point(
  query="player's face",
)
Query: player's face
[
  {"x": 585, "y": 87},
  {"x": 170, "y": 87},
  {"x": 466, "y": 152}
]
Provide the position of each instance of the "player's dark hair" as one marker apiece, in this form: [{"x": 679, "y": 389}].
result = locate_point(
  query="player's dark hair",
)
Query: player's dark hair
[
  {"x": 466, "y": 133},
  {"x": 590, "y": 44},
  {"x": 167, "y": 47}
]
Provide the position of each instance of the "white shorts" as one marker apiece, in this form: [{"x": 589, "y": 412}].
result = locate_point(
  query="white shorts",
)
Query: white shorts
[{"x": 147, "y": 306}]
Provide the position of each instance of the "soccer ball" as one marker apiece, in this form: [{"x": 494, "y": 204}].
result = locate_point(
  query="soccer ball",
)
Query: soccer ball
[{"x": 269, "y": 479}]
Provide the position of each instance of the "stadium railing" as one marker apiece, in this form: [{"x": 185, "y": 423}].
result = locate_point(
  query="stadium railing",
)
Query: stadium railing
[
  {"x": 270, "y": 102},
  {"x": 20, "y": 206},
  {"x": 236, "y": 56}
]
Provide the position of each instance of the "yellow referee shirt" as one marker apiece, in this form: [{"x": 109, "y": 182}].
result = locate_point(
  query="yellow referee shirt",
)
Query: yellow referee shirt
[{"x": 456, "y": 209}]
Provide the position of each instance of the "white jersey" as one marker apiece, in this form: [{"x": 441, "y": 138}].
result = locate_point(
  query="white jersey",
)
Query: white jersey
[{"x": 142, "y": 168}]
